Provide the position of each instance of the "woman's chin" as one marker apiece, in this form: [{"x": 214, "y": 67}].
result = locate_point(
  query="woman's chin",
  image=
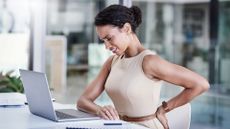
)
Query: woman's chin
[{"x": 117, "y": 53}]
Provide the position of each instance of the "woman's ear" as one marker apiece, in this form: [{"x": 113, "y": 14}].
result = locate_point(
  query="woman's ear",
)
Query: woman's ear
[{"x": 127, "y": 28}]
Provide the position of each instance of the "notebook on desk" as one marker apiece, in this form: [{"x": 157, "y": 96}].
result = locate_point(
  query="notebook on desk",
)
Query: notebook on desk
[{"x": 39, "y": 99}]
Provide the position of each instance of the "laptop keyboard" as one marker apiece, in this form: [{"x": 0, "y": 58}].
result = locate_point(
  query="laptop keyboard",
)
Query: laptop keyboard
[{"x": 62, "y": 115}]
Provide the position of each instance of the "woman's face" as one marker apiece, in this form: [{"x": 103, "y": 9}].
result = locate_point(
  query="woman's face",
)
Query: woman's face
[{"x": 115, "y": 39}]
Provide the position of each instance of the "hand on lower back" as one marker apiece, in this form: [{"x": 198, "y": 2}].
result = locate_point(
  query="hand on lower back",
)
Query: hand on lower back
[{"x": 160, "y": 113}]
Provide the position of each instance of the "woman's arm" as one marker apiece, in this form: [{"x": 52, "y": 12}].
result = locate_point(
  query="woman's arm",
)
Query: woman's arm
[
  {"x": 194, "y": 84},
  {"x": 93, "y": 90}
]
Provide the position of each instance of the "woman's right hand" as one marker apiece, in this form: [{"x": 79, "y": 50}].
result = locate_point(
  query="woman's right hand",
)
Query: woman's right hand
[{"x": 108, "y": 112}]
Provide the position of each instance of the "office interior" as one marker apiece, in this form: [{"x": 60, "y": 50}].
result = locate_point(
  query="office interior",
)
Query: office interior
[{"x": 58, "y": 37}]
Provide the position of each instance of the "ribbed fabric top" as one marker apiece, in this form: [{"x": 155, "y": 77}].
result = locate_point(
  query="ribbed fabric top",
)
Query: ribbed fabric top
[{"x": 131, "y": 91}]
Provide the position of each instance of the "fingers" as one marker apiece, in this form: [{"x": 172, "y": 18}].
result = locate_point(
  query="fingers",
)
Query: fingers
[
  {"x": 165, "y": 123},
  {"x": 111, "y": 112},
  {"x": 162, "y": 118},
  {"x": 108, "y": 113},
  {"x": 101, "y": 113}
]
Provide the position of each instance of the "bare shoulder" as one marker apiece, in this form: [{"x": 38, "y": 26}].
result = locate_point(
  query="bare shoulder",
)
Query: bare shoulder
[
  {"x": 150, "y": 60},
  {"x": 150, "y": 64}
]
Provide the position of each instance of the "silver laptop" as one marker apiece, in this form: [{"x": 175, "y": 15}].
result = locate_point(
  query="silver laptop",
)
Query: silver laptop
[{"x": 39, "y": 99}]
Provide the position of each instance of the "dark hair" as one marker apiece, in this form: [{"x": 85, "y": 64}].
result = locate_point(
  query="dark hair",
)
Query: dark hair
[{"x": 118, "y": 15}]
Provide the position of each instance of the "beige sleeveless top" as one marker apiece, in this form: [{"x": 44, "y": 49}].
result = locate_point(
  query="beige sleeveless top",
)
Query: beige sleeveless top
[{"x": 131, "y": 91}]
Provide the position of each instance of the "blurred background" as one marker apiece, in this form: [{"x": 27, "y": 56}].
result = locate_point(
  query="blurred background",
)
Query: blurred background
[{"x": 58, "y": 37}]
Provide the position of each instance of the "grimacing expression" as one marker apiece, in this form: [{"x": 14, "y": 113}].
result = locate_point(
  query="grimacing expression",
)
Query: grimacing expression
[{"x": 115, "y": 39}]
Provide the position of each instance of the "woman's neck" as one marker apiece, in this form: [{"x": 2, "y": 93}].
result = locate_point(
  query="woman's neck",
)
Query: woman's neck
[{"x": 134, "y": 48}]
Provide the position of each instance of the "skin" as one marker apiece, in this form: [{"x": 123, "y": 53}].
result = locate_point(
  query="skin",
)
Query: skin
[{"x": 122, "y": 41}]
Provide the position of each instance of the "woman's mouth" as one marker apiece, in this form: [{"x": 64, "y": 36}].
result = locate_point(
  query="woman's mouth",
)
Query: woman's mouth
[{"x": 113, "y": 50}]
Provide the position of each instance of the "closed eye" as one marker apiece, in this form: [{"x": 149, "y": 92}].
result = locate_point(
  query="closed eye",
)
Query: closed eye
[{"x": 110, "y": 38}]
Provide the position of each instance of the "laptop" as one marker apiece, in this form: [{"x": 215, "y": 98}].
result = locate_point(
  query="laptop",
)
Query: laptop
[{"x": 39, "y": 99}]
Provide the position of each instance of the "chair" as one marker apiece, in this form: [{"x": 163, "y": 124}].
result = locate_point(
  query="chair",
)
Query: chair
[{"x": 180, "y": 117}]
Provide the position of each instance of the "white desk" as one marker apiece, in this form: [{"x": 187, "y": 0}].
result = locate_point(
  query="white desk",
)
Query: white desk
[{"x": 21, "y": 118}]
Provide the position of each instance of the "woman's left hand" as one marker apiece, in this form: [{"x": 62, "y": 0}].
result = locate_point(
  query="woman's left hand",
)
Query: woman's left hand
[
  {"x": 160, "y": 114},
  {"x": 108, "y": 112}
]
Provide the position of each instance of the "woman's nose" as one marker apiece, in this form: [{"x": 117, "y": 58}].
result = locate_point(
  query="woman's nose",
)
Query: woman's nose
[{"x": 107, "y": 45}]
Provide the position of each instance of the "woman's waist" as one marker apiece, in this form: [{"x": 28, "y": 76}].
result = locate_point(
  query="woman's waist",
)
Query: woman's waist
[
  {"x": 136, "y": 111},
  {"x": 137, "y": 118}
]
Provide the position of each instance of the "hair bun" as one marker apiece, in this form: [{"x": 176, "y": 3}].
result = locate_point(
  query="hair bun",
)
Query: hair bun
[{"x": 136, "y": 14}]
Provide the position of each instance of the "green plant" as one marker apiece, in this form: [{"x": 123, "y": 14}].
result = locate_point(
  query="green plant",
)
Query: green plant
[{"x": 10, "y": 83}]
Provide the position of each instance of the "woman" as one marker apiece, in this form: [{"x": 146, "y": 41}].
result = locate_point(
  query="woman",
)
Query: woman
[{"x": 133, "y": 76}]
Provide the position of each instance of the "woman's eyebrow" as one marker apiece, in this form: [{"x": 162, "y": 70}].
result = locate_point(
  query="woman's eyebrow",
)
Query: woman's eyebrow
[{"x": 106, "y": 37}]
